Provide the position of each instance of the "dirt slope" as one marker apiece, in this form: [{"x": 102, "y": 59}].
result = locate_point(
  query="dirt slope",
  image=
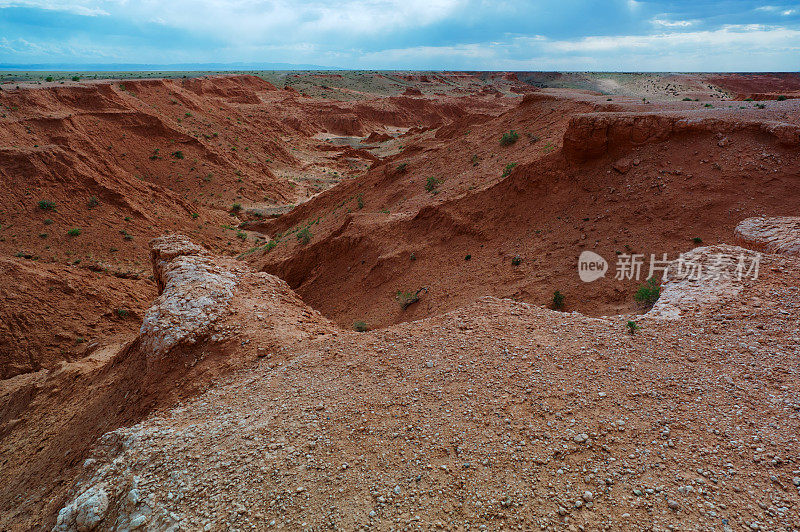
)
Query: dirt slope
[
  {"x": 455, "y": 422},
  {"x": 611, "y": 177}
]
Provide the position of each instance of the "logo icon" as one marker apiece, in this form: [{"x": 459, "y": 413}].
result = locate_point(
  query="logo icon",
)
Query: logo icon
[{"x": 591, "y": 266}]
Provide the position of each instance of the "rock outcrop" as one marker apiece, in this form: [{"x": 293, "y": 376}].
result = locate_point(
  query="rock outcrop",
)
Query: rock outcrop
[
  {"x": 771, "y": 235},
  {"x": 703, "y": 277},
  {"x": 195, "y": 292}
]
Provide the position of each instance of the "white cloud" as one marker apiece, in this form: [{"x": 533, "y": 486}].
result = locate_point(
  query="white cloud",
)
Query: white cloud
[
  {"x": 672, "y": 23},
  {"x": 731, "y": 48},
  {"x": 77, "y": 8}
]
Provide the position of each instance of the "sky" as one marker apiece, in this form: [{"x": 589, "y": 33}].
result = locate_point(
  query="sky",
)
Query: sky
[{"x": 611, "y": 35}]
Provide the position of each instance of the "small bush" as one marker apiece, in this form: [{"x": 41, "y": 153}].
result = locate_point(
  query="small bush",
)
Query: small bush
[
  {"x": 177, "y": 154},
  {"x": 271, "y": 245},
  {"x": 76, "y": 78},
  {"x": 75, "y": 231},
  {"x": 468, "y": 257},
  {"x": 48, "y": 221},
  {"x": 236, "y": 207},
  {"x": 697, "y": 240},
  {"x": 47, "y": 205},
  {"x": 48, "y": 78},
  {"x": 401, "y": 168},
  {"x": 781, "y": 98},
  {"x": 509, "y": 138},
  {"x": 195, "y": 216},
  {"x": 360, "y": 326},
  {"x": 509, "y": 167},
  {"x": 93, "y": 202},
  {"x": 407, "y": 299},
  {"x": 633, "y": 326},
  {"x": 360, "y": 201},
  {"x": 431, "y": 184},
  {"x": 304, "y": 236},
  {"x": 122, "y": 313},
  {"x": 648, "y": 293},
  {"x": 558, "y": 301},
  {"x": 516, "y": 261}
]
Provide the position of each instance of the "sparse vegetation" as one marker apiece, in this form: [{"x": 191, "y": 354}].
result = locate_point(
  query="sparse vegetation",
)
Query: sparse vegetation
[
  {"x": 360, "y": 201},
  {"x": 93, "y": 202},
  {"x": 632, "y": 326},
  {"x": 509, "y": 138},
  {"x": 431, "y": 185},
  {"x": 781, "y": 98},
  {"x": 75, "y": 231},
  {"x": 697, "y": 240},
  {"x": 122, "y": 313},
  {"x": 236, "y": 207},
  {"x": 241, "y": 235},
  {"x": 558, "y": 301},
  {"x": 177, "y": 154},
  {"x": 401, "y": 168},
  {"x": 304, "y": 236},
  {"x": 406, "y": 299},
  {"x": 516, "y": 261},
  {"x": 47, "y": 205},
  {"x": 360, "y": 326},
  {"x": 648, "y": 293},
  {"x": 509, "y": 167}
]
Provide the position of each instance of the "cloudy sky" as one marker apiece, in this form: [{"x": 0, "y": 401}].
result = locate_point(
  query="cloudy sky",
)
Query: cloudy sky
[{"x": 628, "y": 35}]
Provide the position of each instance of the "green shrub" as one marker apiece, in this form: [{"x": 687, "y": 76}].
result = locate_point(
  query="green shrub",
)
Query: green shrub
[
  {"x": 633, "y": 326},
  {"x": 76, "y": 78},
  {"x": 49, "y": 78},
  {"x": 360, "y": 326},
  {"x": 516, "y": 261},
  {"x": 697, "y": 240},
  {"x": 241, "y": 235},
  {"x": 304, "y": 236},
  {"x": 75, "y": 231},
  {"x": 509, "y": 167},
  {"x": 407, "y": 299},
  {"x": 48, "y": 221},
  {"x": 781, "y": 98},
  {"x": 122, "y": 313},
  {"x": 431, "y": 184},
  {"x": 47, "y": 205},
  {"x": 177, "y": 154},
  {"x": 648, "y": 293},
  {"x": 236, "y": 207},
  {"x": 558, "y": 300},
  {"x": 360, "y": 201},
  {"x": 509, "y": 138},
  {"x": 93, "y": 202}
]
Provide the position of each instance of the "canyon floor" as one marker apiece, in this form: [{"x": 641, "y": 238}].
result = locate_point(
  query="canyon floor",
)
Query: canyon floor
[{"x": 327, "y": 300}]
